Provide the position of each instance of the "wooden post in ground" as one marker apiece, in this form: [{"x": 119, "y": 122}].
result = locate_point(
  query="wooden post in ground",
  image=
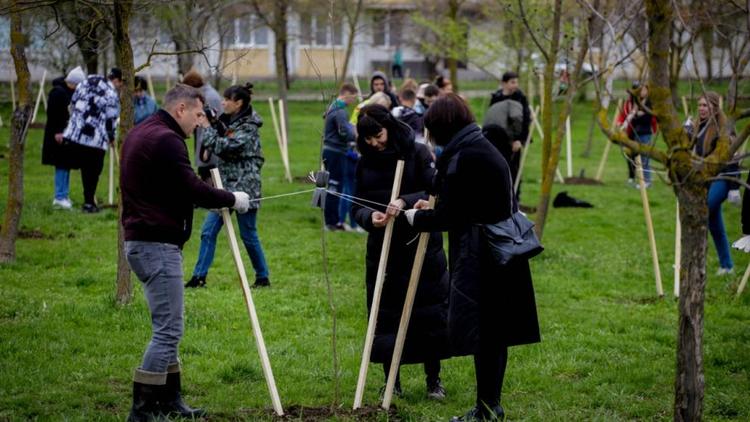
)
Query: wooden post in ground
[
  {"x": 356, "y": 84},
  {"x": 743, "y": 283},
  {"x": 285, "y": 142},
  {"x": 150, "y": 85},
  {"x": 403, "y": 325},
  {"x": 530, "y": 93},
  {"x": 379, "y": 280},
  {"x": 569, "y": 147},
  {"x": 265, "y": 362},
  {"x": 649, "y": 225},
  {"x": 685, "y": 107},
  {"x": 607, "y": 146},
  {"x": 677, "y": 251},
  {"x": 524, "y": 153},
  {"x": 39, "y": 96}
]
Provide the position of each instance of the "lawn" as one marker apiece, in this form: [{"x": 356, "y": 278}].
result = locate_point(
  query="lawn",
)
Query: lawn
[{"x": 608, "y": 352}]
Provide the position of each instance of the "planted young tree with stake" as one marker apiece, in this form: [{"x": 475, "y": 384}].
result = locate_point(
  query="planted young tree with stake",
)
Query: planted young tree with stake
[{"x": 690, "y": 175}]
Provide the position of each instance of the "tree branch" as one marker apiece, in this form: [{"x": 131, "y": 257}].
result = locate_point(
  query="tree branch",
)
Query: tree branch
[
  {"x": 525, "y": 21},
  {"x": 153, "y": 53}
]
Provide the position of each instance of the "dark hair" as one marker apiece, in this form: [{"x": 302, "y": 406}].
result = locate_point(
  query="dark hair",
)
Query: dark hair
[
  {"x": 240, "y": 92},
  {"x": 115, "y": 73},
  {"x": 347, "y": 87},
  {"x": 446, "y": 116},
  {"x": 193, "y": 78},
  {"x": 408, "y": 94},
  {"x": 509, "y": 75},
  {"x": 440, "y": 81},
  {"x": 140, "y": 83},
  {"x": 182, "y": 92},
  {"x": 431, "y": 90},
  {"x": 372, "y": 119}
]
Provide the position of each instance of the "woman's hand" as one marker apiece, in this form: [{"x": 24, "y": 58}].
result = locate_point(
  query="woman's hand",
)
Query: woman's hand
[
  {"x": 379, "y": 219},
  {"x": 395, "y": 207},
  {"x": 422, "y": 205}
]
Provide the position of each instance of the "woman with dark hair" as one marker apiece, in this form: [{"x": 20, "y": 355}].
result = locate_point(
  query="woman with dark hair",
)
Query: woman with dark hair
[
  {"x": 383, "y": 140},
  {"x": 640, "y": 125},
  {"x": 491, "y": 307},
  {"x": 704, "y": 135},
  {"x": 235, "y": 140}
]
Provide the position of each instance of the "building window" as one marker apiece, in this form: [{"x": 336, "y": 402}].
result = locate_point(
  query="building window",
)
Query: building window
[
  {"x": 317, "y": 31},
  {"x": 250, "y": 32},
  {"x": 387, "y": 28}
]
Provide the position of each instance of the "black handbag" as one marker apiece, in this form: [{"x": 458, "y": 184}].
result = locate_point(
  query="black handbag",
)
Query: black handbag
[{"x": 513, "y": 237}]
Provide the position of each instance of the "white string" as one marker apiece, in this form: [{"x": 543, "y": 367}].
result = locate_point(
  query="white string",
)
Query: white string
[
  {"x": 282, "y": 195},
  {"x": 340, "y": 195}
]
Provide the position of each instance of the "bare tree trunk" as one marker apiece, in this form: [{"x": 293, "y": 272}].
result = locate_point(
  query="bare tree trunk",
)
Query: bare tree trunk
[
  {"x": 185, "y": 62},
  {"x": 280, "y": 44},
  {"x": 452, "y": 62},
  {"x": 352, "y": 22},
  {"x": 19, "y": 127},
  {"x": 124, "y": 59},
  {"x": 83, "y": 21}
]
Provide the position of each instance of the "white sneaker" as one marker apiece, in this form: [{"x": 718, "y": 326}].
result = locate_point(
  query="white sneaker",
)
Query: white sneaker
[
  {"x": 725, "y": 271},
  {"x": 64, "y": 203}
]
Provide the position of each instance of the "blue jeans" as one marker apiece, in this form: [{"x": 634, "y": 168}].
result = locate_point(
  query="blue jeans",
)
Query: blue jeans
[
  {"x": 645, "y": 139},
  {"x": 249, "y": 234},
  {"x": 335, "y": 163},
  {"x": 159, "y": 267},
  {"x": 62, "y": 183},
  {"x": 717, "y": 193},
  {"x": 348, "y": 188}
]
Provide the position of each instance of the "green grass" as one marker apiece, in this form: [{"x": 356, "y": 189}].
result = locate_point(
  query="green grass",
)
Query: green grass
[{"x": 608, "y": 350}]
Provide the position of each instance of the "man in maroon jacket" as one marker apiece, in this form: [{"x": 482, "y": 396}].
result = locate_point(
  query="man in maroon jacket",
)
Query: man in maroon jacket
[{"x": 159, "y": 191}]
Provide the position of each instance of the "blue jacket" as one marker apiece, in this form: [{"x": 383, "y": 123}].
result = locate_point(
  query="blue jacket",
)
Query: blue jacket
[
  {"x": 143, "y": 107},
  {"x": 338, "y": 132}
]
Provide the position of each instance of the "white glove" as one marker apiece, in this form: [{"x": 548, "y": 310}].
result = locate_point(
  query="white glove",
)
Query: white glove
[
  {"x": 241, "y": 202},
  {"x": 734, "y": 197},
  {"x": 743, "y": 244},
  {"x": 410, "y": 216}
]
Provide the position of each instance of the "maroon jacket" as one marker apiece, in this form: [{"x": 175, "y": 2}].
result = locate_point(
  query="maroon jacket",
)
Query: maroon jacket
[{"x": 158, "y": 185}]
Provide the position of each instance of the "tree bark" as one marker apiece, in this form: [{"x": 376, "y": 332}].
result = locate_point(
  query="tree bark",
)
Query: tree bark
[
  {"x": 451, "y": 61},
  {"x": 280, "y": 46},
  {"x": 19, "y": 128},
  {"x": 352, "y": 22},
  {"x": 124, "y": 59},
  {"x": 83, "y": 21}
]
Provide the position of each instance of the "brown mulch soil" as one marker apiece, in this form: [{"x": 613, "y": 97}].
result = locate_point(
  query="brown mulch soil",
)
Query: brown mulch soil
[
  {"x": 581, "y": 181},
  {"x": 38, "y": 234},
  {"x": 316, "y": 414}
]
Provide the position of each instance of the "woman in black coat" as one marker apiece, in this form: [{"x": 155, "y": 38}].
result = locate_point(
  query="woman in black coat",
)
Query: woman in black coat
[
  {"x": 382, "y": 140},
  {"x": 490, "y": 307},
  {"x": 54, "y": 153}
]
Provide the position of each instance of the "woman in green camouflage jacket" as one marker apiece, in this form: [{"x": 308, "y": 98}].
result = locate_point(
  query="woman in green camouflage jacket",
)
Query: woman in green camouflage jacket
[{"x": 235, "y": 140}]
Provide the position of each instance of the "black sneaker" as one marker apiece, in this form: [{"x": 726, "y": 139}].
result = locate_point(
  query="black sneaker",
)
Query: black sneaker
[
  {"x": 196, "y": 281},
  {"x": 90, "y": 208},
  {"x": 262, "y": 282},
  {"x": 435, "y": 390},
  {"x": 495, "y": 414}
]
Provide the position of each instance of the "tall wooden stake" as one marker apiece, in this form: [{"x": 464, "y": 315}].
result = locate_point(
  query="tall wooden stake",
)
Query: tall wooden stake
[
  {"x": 569, "y": 147},
  {"x": 524, "y": 153},
  {"x": 285, "y": 142},
  {"x": 677, "y": 251},
  {"x": 265, "y": 362},
  {"x": 607, "y": 146},
  {"x": 649, "y": 226},
  {"x": 150, "y": 85},
  {"x": 403, "y": 325},
  {"x": 743, "y": 283},
  {"x": 39, "y": 96},
  {"x": 379, "y": 280},
  {"x": 685, "y": 107},
  {"x": 356, "y": 85}
]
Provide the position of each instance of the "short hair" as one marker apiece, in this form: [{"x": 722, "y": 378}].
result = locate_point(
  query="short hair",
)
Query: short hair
[
  {"x": 140, "y": 83},
  {"x": 240, "y": 92},
  {"x": 431, "y": 90},
  {"x": 408, "y": 95},
  {"x": 509, "y": 75},
  {"x": 446, "y": 117},
  {"x": 182, "y": 92},
  {"x": 193, "y": 78},
  {"x": 380, "y": 98},
  {"x": 348, "y": 88},
  {"x": 115, "y": 73},
  {"x": 440, "y": 81}
]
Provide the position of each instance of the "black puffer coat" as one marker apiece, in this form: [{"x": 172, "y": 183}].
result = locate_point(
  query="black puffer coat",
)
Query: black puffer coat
[
  {"x": 427, "y": 335},
  {"x": 488, "y": 303},
  {"x": 55, "y": 154}
]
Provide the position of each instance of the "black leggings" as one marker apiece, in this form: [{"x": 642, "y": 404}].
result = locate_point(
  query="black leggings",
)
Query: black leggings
[
  {"x": 431, "y": 370},
  {"x": 489, "y": 366},
  {"x": 92, "y": 163}
]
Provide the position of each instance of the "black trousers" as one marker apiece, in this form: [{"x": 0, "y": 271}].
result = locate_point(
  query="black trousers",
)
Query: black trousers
[
  {"x": 91, "y": 161},
  {"x": 489, "y": 365},
  {"x": 431, "y": 371}
]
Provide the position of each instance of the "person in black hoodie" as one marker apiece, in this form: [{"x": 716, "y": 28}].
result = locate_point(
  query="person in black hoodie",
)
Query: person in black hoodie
[
  {"x": 54, "y": 152},
  {"x": 159, "y": 190},
  {"x": 490, "y": 307},
  {"x": 382, "y": 141},
  {"x": 379, "y": 83}
]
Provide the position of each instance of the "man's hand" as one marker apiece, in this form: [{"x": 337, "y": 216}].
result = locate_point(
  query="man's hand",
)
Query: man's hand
[
  {"x": 422, "y": 205},
  {"x": 241, "y": 202},
  {"x": 59, "y": 138},
  {"x": 379, "y": 219},
  {"x": 743, "y": 243},
  {"x": 395, "y": 207},
  {"x": 516, "y": 146}
]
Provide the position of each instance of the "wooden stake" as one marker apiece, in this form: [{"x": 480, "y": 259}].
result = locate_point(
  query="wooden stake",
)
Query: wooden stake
[
  {"x": 541, "y": 93},
  {"x": 150, "y": 85},
  {"x": 685, "y": 107},
  {"x": 403, "y": 326},
  {"x": 13, "y": 93},
  {"x": 111, "y": 196},
  {"x": 649, "y": 226},
  {"x": 379, "y": 280},
  {"x": 234, "y": 74},
  {"x": 530, "y": 93},
  {"x": 677, "y": 251},
  {"x": 356, "y": 84},
  {"x": 285, "y": 142},
  {"x": 524, "y": 153},
  {"x": 569, "y": 147},
  {"x": 721, "y": 102},
  {"x": 39, "y": 96},
  {"x": 607, "y": 146},
  {"x": 265, "y": 362},
  {"x": 743, "y": 283}
]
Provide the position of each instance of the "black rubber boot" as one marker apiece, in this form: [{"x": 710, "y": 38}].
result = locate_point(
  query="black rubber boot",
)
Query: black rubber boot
[
  {"x": 262, "y": 282},
  {"x": 145, "y": 402},
  {"x": 171, "y": 403},
  {"x": 196, "y": 281}
]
